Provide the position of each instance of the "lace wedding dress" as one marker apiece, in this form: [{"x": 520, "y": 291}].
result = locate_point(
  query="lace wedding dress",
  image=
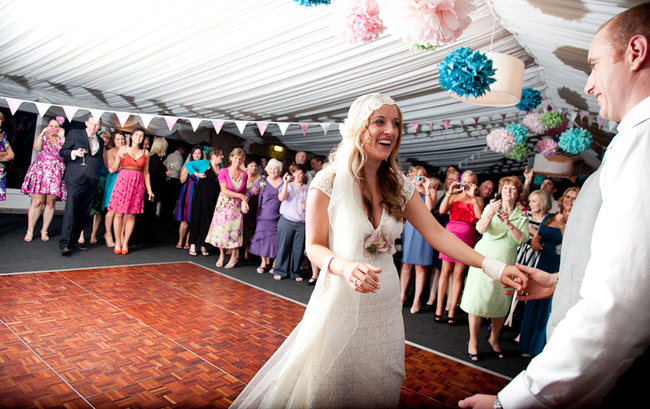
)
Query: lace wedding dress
[{"x": 348, "y": 350}]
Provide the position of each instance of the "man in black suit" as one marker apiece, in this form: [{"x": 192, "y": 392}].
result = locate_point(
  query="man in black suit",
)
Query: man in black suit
[{"x": 83, "y": 151}]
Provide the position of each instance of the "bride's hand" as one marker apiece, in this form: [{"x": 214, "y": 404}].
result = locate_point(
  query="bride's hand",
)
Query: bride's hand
[{"x": 362, "y": 277}]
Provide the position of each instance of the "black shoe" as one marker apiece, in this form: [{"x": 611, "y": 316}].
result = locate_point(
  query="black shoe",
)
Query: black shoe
[
  {"x": 311, "y": 281},
  {"x": 80, "y": 247},
  {"x": 65, "y": 251}
]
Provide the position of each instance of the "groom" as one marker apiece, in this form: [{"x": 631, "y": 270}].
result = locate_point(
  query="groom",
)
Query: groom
[
  {"x": 83, "y": 151},
  {"x": 599, "y": 328}
]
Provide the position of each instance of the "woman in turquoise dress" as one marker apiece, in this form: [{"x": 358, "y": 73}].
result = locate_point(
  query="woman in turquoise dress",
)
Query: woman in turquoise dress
[
  {"x": 548, "y": 242},
  {"x": 110, "y": 155},
  {"x": 504, "y": 227}
]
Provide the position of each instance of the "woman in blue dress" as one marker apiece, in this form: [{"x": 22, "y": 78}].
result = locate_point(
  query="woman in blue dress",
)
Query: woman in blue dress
[
  {"x": 548, "y": 242},
  {"x": 184, "y": 207},
  {"x": 415, "y": 250}
]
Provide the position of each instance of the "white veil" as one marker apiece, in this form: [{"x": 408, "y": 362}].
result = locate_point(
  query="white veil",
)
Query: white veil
[{"x": 331, "y": 317}]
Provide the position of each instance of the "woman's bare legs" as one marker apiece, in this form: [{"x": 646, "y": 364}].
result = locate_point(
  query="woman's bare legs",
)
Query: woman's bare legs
[
  {"x": 497, "y": 325},
  {"x": 182, "y": 235},
  {"x": 33, "y": 214},
  {"x": 222, "y": 255},
  {"x": 474, "y": 326},
  {"x": 456, "y": 288},
  {"x": 420, "y": 282},
  {"x": 433, "y": 286},
  {"x": 118, "y": 224},
  {"x": 443, "y": 285},
  {"x": 108, "y": 224},
  {"x": 129, "y": 225},
  {"x": 97, "y": 221},
  {"x": 234, "y": 257}
]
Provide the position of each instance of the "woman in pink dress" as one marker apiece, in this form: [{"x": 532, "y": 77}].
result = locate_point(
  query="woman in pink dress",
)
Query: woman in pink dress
[
  {"x": 44, "y": 178},
  {"x": 465, "y": 209},
  {"x": 128, "y": 192},
  {"x": 226, "y": 230}
]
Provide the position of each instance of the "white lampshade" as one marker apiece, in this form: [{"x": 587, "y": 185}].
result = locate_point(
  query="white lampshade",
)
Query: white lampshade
[
  {"x": 506, "y": 90},
  {"x": 553, "y": 165}
]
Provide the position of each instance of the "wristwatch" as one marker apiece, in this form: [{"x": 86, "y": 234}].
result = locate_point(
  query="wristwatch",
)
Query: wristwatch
[{"x": 497, "y": 403}]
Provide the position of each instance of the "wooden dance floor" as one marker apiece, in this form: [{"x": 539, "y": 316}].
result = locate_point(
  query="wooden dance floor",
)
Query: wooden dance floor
[{"x": 164, "y": 336}]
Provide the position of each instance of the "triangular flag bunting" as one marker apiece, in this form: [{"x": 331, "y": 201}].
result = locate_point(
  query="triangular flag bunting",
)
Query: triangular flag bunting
[
  {"x": 70, "y": 112},
  {"x": 582, "y": 117},
  {"x": 122, "y": 117},
  {"x": 590, "y": 120},
  {"x": 476, "y": 118},
  {"x": 96, "y": 113},
  {"x": 262, "y": 127},
  {"x": 13, "y": 104},
  {"x": 304, "y": 128},
  {"x": 170, "y": 120},
  {"x": 42, "y": 108},
  {"x": 146, "y": 119},
  {"x": 218, "y": 124},
  {"x": 445, "y": 122},
  {"x": 414, "y": 126},
  {"x": 600, "y": 122},
  {"x": 430, "y": 123},
  {"x": 241, "y": 125},
  {"x": 195, "y": 123},
  {"x": 283, "y": 126},
  {"x": 325, "y": 126}
]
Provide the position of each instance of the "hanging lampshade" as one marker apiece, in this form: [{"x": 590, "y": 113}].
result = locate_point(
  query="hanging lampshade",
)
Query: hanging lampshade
[
  {"x": 553, "y": 165},
  {"x": 506, "y": 90}
]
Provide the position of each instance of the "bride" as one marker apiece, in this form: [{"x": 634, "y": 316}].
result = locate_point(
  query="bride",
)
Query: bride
[{"x": 348, "y": 350}]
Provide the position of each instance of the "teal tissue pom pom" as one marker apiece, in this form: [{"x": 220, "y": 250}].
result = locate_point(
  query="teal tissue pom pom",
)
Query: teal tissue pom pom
[
  {"x": 530, "y": 99},
  {"x": 575, "y": 140},
  {"x": 519, "y": 131},
  {"x": 466, "y": 73}
]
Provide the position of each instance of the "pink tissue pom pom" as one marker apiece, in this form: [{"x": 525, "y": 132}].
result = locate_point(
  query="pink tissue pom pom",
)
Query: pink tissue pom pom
[
  {"x": 532, "y": 122},
  {"x": 357, "y": 21},
  {"x": 547, "y": 146},
  {"x": 501, "y": 140},
  {"x": 427, "y": 21}
]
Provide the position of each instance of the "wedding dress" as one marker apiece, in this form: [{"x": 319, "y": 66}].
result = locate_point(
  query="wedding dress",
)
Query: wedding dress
[{"x": 348, "y": 350}]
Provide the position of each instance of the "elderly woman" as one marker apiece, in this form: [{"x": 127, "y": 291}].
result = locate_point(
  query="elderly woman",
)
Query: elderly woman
[
  {"x": 548, "y": 242},
  {"x": 415, "y": 249},
  {"x": 539, "y": 204},
  {"x": 119, "y": 140},
  {"x": 205, "y": 198},
  {"x": 504, "y": 227},
  {"x": 291, "y": 225},
  {"x": 464, "y": 207},
  {"x": 44, "y": 178},
  {"x": 265, "y": 240},
  {"x": 184, "y": 208},
  {"x": 227, "y": 222}
]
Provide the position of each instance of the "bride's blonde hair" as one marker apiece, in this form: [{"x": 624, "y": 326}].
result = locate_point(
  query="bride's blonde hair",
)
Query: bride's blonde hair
[{"x": 353, "y": 131}]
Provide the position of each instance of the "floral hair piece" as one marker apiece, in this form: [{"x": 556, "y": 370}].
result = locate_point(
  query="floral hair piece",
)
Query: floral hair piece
[
  {"x": 361, "y": 109},
  {"x": 206, "y": 150},
  {"x": 59, "y": 119}
]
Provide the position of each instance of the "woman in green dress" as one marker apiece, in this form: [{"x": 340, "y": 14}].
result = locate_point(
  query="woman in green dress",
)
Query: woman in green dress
[{"x": 504, "y": 227}]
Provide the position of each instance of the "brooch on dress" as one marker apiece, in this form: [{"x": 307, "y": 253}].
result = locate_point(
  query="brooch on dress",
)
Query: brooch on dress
[{"x": 377, "y": 242}]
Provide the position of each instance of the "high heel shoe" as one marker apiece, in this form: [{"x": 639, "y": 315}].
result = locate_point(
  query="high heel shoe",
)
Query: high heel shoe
[
  {"x": 109, "y": 243},
  {"x": 29, "y": 236},
  {"x": 415, "y": 310},
  {"x": 44, "y": 236},
  {"x": 93, "y": 238},
  {"x": 117, "y": 250},
  {"x": 125, "y": 251}
]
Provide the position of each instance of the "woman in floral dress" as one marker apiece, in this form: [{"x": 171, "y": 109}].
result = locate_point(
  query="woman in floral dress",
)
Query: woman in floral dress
[
  {"x": 44, "y": 178},
  {"x": 226, "y": 227}
]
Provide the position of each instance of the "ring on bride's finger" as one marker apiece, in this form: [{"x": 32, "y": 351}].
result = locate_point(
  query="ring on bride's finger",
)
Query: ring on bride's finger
[{"x": 355, "y": 282}]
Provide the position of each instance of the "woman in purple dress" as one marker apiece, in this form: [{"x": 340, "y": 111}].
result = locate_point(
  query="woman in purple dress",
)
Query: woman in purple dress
[
  {"x": 226, "y": 228},
  {"x": 184, "y": 208},
  {"x": 265, "y": 239},
  {"x": 44, "y": 178}
]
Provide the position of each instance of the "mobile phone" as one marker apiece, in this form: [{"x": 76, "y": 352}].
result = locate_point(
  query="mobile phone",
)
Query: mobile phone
[
  {"x": 419, "y": 178},
  {"x": 497, "y": 197}
]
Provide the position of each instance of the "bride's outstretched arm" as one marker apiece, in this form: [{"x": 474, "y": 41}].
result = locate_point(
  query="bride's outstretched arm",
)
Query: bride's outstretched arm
[
  {"x": 446, "y": 242},
  {"x": 360, "y": 276}
]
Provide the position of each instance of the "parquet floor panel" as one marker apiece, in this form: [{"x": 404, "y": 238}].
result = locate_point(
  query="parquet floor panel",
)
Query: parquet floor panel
[{"x": 165, "y": 336}]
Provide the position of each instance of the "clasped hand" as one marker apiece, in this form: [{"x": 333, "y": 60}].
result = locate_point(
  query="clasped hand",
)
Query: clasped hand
[
  {"x": 361, "y": 277},
  {"x": 540, "y": 284}
]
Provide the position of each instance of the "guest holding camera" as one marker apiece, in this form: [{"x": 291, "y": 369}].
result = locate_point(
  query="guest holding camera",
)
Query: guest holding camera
[{"x": 465, "y": 208}]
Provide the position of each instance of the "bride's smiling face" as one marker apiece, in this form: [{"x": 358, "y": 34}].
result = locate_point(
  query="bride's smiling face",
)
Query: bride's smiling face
[{"x": 383, "y": 133}]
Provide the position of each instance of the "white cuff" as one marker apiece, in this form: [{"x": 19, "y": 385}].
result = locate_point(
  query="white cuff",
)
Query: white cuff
[{"x": 493, "y": 268}]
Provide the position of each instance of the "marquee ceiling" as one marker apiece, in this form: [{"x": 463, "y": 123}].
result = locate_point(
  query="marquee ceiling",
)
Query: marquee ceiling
[{"x": 275, "y": 61}]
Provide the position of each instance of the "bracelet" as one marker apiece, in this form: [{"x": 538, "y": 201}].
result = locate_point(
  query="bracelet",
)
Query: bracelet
[
  {"x": 497, "y": 403},
  {"x": 429, "y": 195}
]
